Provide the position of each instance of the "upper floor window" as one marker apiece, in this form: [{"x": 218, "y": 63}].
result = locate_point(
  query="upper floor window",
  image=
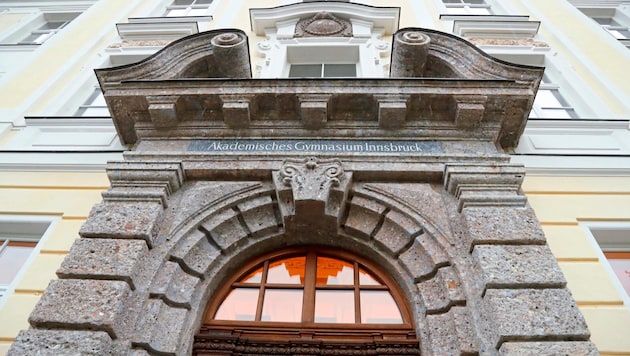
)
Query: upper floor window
[
  {"x": 40, "y": 28},
  {"x": 18, "y": 238},
  {"x": 94, "y": 105},
  {"x": 331, "y": 294},
  {"x": 550, "y": 103},
  {"x": 43, "y": 32},
  {"x": 467, "y": 7},
  {"x": 616, "y": 21},
  {"x": 188, "y": 8}
]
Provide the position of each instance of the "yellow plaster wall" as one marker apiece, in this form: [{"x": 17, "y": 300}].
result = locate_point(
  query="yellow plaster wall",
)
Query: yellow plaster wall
[
  {"x": 560, "y": 204},
  {"x": 69, "y": 195}
]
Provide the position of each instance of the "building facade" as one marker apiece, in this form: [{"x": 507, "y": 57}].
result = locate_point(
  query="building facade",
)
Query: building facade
[{"x": 349, "y": 164}]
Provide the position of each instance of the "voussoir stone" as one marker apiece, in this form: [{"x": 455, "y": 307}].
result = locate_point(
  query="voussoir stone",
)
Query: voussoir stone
[
  {"x": 397, "y": 231},
  {"x": 113, "y": 259},
  {"x": 551, "y": 348},
  {"x": 523, "y": 266},
  {"x": 364, "y": 216},
  {"x": 83, "y": 304},
  {"x": 123, "y": 220},
  {"x": 488, "y": 225},
  {"x": 533, "y": 314},
  {"x": 64, "y": 342}
]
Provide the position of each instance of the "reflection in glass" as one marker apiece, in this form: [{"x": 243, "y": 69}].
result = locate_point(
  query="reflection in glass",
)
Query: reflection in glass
[
  {"x": 287, "y": 271},
  {"x": 240, "y": 304},
  {"x": 334, "y": 306},
  {"x": 12, "y": 258},
  {"x": 282, "y": 305},
  {"x": 366, "y": 279},
  {"x": 378, "y": 307},
  {"x": 253, "y": 277},
  {"x": 334, "y": 271}
]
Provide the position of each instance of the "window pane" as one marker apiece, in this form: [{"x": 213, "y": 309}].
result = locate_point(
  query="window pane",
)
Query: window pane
[
  {"x": 334, "y": 271},
  {"x": 12, "y": 258},
  {"x": 182, "y": 2},
  {"x": 176, "y": 12},
  {"x": 52, "y": 25},
  {"x": 620, "y": 263},
  {"x": 282, "y": 305},
  {"x": 240, "y": 304},
  {"x": 366, "y": 279},
  {"x": 334, "y": 306},
  {"x": 287, "y": 271},
  {"x": 305, "y": 70},
  {"x": 340, "y": 70},
  {"x": 378, "y": 307},
  {"x": 253, "y": 277}
]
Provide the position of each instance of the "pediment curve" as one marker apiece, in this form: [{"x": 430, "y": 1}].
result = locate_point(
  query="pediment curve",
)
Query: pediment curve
[
  {"x": 213, "y": 54},
  {"x": 426, "y": 53}
]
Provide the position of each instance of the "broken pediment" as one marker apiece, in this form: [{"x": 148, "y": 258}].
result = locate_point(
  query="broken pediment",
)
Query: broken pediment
[{"x": 442, "y": 88}]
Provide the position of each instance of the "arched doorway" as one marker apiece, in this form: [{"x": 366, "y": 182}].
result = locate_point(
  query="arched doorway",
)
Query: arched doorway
[{"x": 308, "y": 300}]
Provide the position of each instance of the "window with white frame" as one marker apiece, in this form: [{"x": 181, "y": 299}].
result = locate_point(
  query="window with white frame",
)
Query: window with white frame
[
  {"x": 616, "y": 21},
  {"x": 94, "y": 105},
  {"x": 613, "y": 238},
  {"x": 180, "y": 8},
  {"x": 19, "y": 237},
  {"x": 550, "y": 103},
  {"x": 467, "y": 7},
  {"x": 40, "y": 29},
  {"x": 323, "y": 61}
]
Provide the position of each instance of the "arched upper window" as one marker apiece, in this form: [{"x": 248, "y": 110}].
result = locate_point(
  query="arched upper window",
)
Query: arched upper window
[{"x": 313, "y": 295}]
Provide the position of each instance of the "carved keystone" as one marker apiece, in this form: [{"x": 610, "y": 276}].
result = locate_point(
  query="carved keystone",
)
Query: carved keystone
[
  {"x": 469, "y": 110},
  {"x": 236, "y": 112},
  {"x": 314, "y": 111},
  {"x": 310, "y": 190},
  {"x": 163, "y": 111}
]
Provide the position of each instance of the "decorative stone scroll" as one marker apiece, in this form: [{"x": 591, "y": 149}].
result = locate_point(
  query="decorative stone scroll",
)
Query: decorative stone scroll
[{"x": 323, "y": 24}]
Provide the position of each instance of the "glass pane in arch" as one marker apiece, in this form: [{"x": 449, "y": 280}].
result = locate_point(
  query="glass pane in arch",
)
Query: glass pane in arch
[
  {"x": 333, "y": 271},
  {"x": 378, "y": 307},
  {"x": 287, "y": 271},
  {"x": 282, "y": 305},
  {"x": 240, "y": 304}
]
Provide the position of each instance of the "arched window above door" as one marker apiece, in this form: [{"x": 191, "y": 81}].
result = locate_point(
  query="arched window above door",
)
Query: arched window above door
[{"x": 313, "y": 295}]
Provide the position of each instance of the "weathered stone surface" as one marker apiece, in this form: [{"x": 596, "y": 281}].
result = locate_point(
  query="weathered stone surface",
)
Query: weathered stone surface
[
  {"x": 423, "y": 257},
  {"x": 64, "y": 342},
  {"x": 533, "y": 314},
  {"x": 159, "y": 328},
  {"x": 452, "y": 333},
  {"x": 530, "y": 266},
  {"x": 195, "y": 252},
  {"x": 174, "y": 285},
  {"x": 549, "y": 348},
  {"x": 363, "y": 217},
  {"x": 397, "y": 231},
  {"x": 442, "y": 291},
  {"x": 502, "y": 226},
  {"x": 103, "y": 259},
  {"x": 259, "y": 216},
  {"x": 225, "y": 228},
  {"x": 83, "y": 304},
  {"x": 129, "y": 220}
]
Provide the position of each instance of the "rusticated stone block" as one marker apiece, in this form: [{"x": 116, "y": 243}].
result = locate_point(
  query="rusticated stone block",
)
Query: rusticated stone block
[
  {"x": 132, "y": 220},
  {"x": 195, "y": 252},
  {"x": 83, "y": 304},
  {"x": 397, "y": 231},
  {"x": 533, "y": 314},
  {"x": 103, "y": 259},
  {"x": 441, "y": 291},
  {"x": 550, "y": 348},
  {"x": 159, "y": 327},
  {"x": 423, "y": 257},
  {"x": 363, "y": 217},
  {"x": 487, "y": 226},
  {"x": 259, "y": 216},
  {"x": 64, "y": 342},
  {"x": 174, "y": 285},
  {"x": 225, "y": 228},
  {"x": 530, "y": 266},
  {"x": 452, "y": 333},
  {"x": 392, "y": 115}
]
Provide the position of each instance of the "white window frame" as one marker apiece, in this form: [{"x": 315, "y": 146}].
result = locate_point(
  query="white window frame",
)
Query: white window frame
[
  {"x": 619, "y": 14},
  {"x": 466, "y": 7},
  {"x": 33, "y": 20},
  {"x": 600, "y": 245},
  {"x": 369, "y": 26},
  {"x": 562, "y": 77},
  {"x": 188, "y": 8},
  {"x": 24, "y": 229}
]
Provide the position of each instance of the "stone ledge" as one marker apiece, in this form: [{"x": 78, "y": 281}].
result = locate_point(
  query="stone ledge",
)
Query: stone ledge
[{"x": 573, "y": 348}]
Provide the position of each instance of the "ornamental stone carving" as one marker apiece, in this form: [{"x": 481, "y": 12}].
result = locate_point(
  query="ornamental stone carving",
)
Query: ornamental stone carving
[{"x": 323, "y": 24}]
